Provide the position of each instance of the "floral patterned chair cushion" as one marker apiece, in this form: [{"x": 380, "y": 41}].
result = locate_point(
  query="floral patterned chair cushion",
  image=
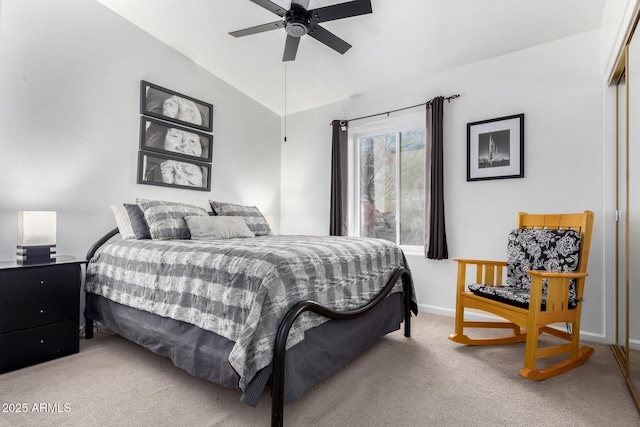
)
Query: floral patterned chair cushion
[{"x": 534, "y": 249}]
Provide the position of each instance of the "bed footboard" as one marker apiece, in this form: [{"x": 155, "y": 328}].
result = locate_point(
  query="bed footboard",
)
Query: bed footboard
[{"x": 277, "y": 384}]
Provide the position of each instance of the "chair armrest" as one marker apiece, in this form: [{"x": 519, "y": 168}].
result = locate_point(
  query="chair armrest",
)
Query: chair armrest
[
  {"x": 557, "y": 274},
  {"x": 480, "y": 262}
]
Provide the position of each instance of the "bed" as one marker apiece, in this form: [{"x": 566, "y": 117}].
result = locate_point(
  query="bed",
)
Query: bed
[{"x": 283, "y": 311}]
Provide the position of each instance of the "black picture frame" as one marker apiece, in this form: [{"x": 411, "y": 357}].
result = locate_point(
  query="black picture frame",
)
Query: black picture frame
[
  {"x": 185, "y": 110},
  {"x": 495, "y": 148},
  {"x": 151, "y": 171},
  {"x": 173, "y": 140}
]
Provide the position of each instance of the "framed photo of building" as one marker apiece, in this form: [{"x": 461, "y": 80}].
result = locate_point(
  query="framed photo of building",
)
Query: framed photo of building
[
  {"x": 495, "y": 148},
  {"x": 169, "y": 171},
  {"x": 166, "y": 104},
  {"x": 174, "y": 140}
]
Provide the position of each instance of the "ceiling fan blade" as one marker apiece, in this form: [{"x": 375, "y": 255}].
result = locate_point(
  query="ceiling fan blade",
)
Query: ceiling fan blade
[
  {"x": 291, "y": 48},
  {"x": 270, "y": 6},
  {"x": 342, "y": 10},
  {"x": 258, "y": 29},
  {"x": 329, "y": 39}
]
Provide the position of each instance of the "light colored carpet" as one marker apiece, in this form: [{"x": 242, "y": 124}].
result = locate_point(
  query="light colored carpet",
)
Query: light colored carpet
[{"x": 426, "y": 380}]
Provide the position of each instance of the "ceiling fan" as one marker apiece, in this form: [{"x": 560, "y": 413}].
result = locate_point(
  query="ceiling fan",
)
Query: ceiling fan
[{"x": 298, "y": 21}]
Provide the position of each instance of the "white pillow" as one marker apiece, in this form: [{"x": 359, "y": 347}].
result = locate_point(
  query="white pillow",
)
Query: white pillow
[
  {"x": 217, "y": 227},
  {"x": 123, "y": 222}
]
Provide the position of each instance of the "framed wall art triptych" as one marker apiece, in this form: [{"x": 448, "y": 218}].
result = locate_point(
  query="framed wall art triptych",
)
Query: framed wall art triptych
[{"x": 176, "y": 148}]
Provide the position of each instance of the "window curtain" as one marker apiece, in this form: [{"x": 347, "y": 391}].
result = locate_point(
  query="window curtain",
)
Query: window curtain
[
  {"x": 338, "y": 222},
  {"x": 435, "y": 238}
]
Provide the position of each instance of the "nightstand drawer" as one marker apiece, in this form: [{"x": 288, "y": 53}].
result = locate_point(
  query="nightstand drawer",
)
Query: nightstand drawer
[
  {"x": 31, "y": 313},
  {"x": 24, "y": 348},
  {"x": 37, "y": 282}
]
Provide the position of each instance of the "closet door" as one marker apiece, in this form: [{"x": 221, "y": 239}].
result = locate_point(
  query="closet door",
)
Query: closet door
[{"x": 633, "y": 211}]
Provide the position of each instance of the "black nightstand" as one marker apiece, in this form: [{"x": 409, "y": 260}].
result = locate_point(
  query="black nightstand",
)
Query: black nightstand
[{"x": 39, "y": 312}]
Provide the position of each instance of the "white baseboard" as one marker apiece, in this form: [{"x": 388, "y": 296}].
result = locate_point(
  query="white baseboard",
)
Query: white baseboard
[{"x": 436, "y": 310}]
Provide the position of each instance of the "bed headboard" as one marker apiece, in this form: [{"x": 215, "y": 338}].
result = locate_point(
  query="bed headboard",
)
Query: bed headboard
[{"x": 100, "y": 242}]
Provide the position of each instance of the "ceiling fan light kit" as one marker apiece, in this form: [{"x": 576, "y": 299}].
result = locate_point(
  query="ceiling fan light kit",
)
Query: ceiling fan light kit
[{"x": 298, "y": 21}]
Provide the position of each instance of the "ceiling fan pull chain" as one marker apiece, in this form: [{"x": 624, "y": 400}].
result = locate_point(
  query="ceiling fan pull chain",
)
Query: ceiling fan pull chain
[{"x": 285, "y": 102}]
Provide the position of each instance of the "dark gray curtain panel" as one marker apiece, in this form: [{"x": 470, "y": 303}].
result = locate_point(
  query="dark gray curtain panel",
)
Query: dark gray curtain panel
[
  {"x": 338, "y": 225},
  {"x": 435, "y": 230}
]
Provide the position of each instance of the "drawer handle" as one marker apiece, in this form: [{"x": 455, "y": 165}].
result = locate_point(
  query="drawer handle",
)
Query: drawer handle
[
  {"x": 42, "y": 282},
  {"x": 41, "y": 311},
  {"x": 41, "y": 341}
]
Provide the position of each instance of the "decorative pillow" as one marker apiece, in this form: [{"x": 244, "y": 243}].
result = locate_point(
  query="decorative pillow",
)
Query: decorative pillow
[
  {"x": 217, "y": 227},
  {"x": 251, "y": 215},
  {"x": 130, "y": 221},
  {"x": 540, "y": 249},
  {"x": 138, "y": 223},
  {"x": 166, "y": 219},
  {"x": 123, "y": 222}
]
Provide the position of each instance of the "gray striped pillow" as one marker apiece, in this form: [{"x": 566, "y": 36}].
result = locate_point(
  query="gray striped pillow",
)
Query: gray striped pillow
[
  {"x": 166, "y": 219},
  {"x": 250, "y": 214}
]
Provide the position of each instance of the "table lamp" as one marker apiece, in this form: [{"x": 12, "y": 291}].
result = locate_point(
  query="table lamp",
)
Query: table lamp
[{"x": 36, "y": 237}]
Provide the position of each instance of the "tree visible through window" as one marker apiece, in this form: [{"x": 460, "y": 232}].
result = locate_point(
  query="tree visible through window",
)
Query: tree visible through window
[{"x": 391, "y": 180}]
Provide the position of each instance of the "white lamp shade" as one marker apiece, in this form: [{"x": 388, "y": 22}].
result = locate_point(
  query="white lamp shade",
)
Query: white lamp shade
[{"x": 36, "y": 228}]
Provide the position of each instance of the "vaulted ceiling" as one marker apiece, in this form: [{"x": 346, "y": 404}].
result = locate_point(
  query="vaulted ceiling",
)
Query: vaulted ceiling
[{"x": 400, "y": 41}]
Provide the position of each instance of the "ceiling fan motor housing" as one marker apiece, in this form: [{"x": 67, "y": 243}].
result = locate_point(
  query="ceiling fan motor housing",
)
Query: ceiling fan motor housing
[{"x": 297, "y": 21}]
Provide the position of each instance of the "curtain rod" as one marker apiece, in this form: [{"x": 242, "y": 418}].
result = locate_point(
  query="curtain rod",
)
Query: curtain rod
[{"x": 448, "y": 99}]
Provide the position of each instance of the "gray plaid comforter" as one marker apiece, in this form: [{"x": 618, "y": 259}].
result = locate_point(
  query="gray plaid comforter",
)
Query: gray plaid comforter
[{"x": 242, "y": 288}]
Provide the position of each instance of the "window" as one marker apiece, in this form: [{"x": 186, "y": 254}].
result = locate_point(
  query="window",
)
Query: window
[{"x": 389, "y": 180}]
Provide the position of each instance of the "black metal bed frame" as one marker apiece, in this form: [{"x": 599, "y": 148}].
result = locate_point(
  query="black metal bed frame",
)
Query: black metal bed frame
[
  {"x": 277, "y": 377},
  {"x": 88, "y": 323}
]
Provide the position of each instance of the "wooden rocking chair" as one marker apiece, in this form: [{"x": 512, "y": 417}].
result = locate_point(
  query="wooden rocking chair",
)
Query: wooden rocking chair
[{"x": 546, "y": 271}]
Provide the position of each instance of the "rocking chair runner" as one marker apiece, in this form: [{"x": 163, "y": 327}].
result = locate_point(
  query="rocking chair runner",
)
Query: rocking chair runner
[{"x": 546, "y": 270}]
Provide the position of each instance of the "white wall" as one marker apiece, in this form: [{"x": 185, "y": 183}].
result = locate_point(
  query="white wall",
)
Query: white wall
[
  {"x": 69, "y": 121},
  {"x": 559, "y": 88}
]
